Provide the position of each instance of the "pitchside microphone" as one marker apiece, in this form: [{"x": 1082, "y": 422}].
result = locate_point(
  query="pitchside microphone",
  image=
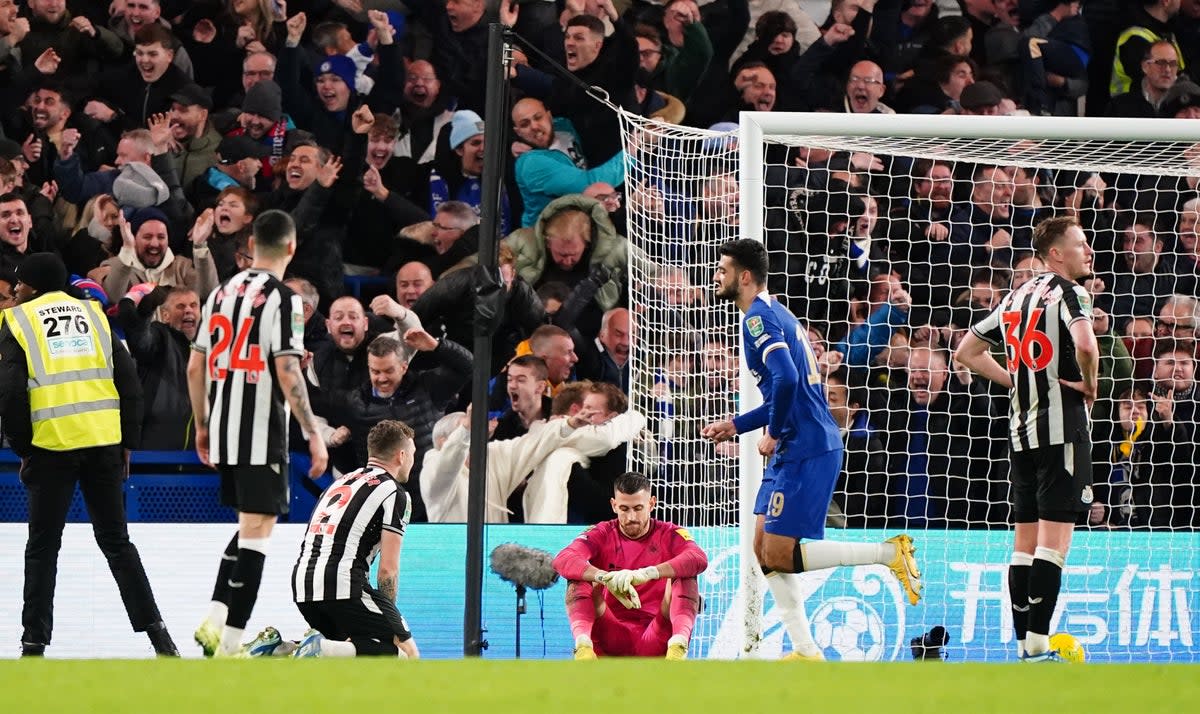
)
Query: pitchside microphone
[{"x": 524, "y": 567}]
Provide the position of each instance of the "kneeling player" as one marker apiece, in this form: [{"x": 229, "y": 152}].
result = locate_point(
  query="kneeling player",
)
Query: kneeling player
[
  {"x": 648, "y": 604},
  {"x": 360, "y": 515}
]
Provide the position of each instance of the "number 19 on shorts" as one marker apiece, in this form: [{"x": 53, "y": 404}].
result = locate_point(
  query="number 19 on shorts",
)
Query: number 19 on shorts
[{"x": 776, "y": 504}]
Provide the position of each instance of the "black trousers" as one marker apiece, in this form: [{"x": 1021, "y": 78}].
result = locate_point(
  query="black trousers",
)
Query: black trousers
[{"x": 50, "y": 478}]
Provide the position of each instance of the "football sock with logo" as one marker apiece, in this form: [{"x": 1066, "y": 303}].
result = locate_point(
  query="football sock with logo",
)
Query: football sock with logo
[
  {"x": 821, "y": 554},
  {"x": 685, "y": 605},
  {"x": 219, "y": 609},
  {"x": 789, "y": 604},
  {"x": 243, "y": 584},
  {"x": 1045, "y": 581},
  {"x": 1018, "y": 594}
]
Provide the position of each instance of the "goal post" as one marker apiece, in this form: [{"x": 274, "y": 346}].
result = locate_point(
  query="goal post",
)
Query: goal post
[{"x": 779, "y": 178}]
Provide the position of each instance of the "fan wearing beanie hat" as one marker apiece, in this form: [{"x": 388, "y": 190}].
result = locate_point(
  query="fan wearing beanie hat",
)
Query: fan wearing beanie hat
[
  {"x": 466, "y": 185},
  {"x": 264, "y": 100},
  {"x": 335, "y": 82},
  {"x": 465, "y": 125},
  {"x": 146, "y": 257},
  {"x": 40, "y": 273}
]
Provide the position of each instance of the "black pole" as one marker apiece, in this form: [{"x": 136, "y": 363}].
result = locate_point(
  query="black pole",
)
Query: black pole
[
  {"x": 493, "y": 169},
  {"x": 520, "y": 611}
]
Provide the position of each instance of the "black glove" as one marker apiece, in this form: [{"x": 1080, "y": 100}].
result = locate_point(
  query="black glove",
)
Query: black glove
[{"x": 600, "y": 273}]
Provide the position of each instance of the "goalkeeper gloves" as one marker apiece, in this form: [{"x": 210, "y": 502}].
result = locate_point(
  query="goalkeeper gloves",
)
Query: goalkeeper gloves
[
  {"x": 620, "y": 588},
  {"x": 628, "y": 579}
]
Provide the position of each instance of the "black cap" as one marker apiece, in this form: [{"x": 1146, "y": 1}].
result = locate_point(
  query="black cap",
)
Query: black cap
[
  {"x": 44, "y": 272},
  {"x": 9, "y": 149},
  {"x": 1182, "y": 95},
  {"x": 980, "y": 94},
  {"x": 233, "y": 149},
  {"x": 192, "y": 94}
]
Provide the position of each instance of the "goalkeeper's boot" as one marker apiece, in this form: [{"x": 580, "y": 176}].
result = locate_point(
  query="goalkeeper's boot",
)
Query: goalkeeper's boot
[
  {"x": 904, "y": 565},
  {"x": 264, "y": 644},
  {"x": 798, "y": 656},
  {"x": 676, "y": 650},
  {"x": 208, "y": 636},
  {"x": 310, "y": 646},
  {"x": 584, "y": 651},
  {"x": 1047, "y": 656}
]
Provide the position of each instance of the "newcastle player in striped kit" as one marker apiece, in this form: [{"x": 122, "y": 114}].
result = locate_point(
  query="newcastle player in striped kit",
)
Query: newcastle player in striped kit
[
  {"x": 360, "y": 517},
  {"x": 243, "y": 378},
  {"x": 1051, "y": 370}
]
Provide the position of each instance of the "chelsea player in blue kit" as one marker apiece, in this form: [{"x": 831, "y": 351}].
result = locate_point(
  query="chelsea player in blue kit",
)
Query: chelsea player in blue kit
[{"x": 803, "y": 445}]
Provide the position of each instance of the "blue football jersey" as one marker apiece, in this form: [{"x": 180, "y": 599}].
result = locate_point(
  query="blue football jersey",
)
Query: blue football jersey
[{"x": 768, "y": 326}]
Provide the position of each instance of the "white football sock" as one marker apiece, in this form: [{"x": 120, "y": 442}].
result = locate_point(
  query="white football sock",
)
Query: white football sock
[
  {"x": 821, "y": 554},
  {"x": 583, "y": 640},
  {"x": 231, "y": 639},
  {"x": 217, "y": 612},
  {"x": 334, "y": 648},
  {"x": 1036, "y": 644},
  {"x": 785, "y": 587},
  {"x": 1021, "y": 648}
]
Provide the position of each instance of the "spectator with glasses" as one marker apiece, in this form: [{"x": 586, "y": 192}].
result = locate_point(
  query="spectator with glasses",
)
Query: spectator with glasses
[
  {"x": 676, "y": 69},
  {"x": 425, "y": 112},
  {"x": 864, "y": 89},
  {"x": 1160, "y": 70}
]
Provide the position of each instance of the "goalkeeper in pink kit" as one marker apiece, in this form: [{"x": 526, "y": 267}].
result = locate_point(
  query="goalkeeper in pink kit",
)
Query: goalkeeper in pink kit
[{"x": 631, "y": 581}]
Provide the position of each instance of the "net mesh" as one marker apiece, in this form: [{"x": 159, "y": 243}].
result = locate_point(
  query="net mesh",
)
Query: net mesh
[{"x": 888, "y": 248}]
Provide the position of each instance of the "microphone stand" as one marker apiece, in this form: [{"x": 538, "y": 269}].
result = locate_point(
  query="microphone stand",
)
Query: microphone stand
[{"x": 520, "y": 611}]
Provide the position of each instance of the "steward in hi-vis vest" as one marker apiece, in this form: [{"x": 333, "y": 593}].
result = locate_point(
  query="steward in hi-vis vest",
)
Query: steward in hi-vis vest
[{"x": 72, "y": 410}]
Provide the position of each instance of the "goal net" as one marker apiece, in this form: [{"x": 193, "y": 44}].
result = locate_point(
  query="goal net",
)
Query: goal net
[{"x": 888, "y": 236}]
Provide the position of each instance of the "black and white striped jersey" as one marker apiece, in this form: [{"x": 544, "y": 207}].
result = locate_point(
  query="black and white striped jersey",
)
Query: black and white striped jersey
[
  {"x": 247, "y": 322},
  {"x": 345, "y": 532},
  {"x": 1033, "y": 324}
]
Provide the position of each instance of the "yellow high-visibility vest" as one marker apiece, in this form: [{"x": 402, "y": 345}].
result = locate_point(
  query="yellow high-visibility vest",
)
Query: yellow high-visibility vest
[
  {"x": 1121, "y": 81},
  {"x": 73, "y": 400}
]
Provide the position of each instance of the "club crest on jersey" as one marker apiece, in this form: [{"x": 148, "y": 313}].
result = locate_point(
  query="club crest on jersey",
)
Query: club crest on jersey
[
  {"x": 755, "y": 326},
  {"x": 1086, "y": 495}
]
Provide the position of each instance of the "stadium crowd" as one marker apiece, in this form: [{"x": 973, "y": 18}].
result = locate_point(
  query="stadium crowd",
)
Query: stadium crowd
[{"x": 144, "y": 136}]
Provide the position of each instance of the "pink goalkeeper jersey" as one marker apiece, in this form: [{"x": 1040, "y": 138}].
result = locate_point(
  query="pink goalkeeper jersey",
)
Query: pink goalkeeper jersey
[{"x": 605, "y": 547}]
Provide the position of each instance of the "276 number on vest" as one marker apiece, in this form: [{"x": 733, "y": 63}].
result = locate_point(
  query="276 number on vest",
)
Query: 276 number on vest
[{"x": 64, "y": 325}]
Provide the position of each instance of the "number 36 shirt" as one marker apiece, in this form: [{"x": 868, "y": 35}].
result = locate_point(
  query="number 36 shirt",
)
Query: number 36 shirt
[
  {"x": 1033, "y": 324},
  {"x": 247, "y": 322}
]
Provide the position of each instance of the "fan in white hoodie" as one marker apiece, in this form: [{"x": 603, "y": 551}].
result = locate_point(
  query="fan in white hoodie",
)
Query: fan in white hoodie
[{"x": 445, "y": 476}]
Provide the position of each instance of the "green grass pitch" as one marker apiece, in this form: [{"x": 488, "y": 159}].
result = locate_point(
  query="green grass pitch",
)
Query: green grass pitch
[{"x": 629, "y": 686}]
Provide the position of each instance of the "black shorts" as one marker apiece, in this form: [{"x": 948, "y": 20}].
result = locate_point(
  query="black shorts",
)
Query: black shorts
[
  {"x": 371, "y": 616},
  {"x": 1052, "y": 483},
  {"x": 256, "y": 489}
]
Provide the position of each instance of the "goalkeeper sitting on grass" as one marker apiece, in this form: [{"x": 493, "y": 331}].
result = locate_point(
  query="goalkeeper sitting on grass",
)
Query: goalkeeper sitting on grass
[{"x": 647, "y": 568}]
